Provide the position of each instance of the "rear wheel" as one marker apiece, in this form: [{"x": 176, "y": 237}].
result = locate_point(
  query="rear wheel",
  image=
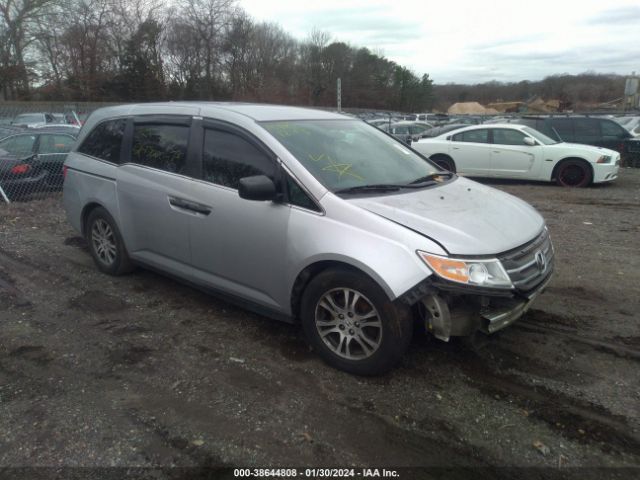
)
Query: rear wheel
[
  {"x": 105, "y": 243},
  {"x": 351, "y": 323},
  {"x": 444, "y": 162},
  {"x": 573, "y": 173}
]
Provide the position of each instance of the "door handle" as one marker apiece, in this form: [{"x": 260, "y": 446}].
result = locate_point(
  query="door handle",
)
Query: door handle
[
  {"x": 198, "y": 208},
  {"x": 497, "y": 151},
  {"x": 183, "y": 204},
  {"x": 456, "y": 148}
]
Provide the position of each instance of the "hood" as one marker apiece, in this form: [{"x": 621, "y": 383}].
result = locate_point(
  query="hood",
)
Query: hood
[
  {"x": 588, "y": 148},
  {"x": 465, "y": 217}
]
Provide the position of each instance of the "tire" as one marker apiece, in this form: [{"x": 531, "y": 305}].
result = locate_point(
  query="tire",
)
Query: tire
[
  {"x": 444, "y": 162},
  {"x": 573, "y": 173},
  {"x": 106, "y": 244},
  {"x": 369, "y": 337}
]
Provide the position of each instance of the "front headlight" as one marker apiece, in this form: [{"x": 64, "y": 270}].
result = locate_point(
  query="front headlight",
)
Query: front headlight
[
  {"x": 604, "y": 159},
  {"x": 482, "y": 273}
]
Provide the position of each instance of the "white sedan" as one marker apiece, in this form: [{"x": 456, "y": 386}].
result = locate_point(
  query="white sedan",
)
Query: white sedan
[{"x": 518, "y": 151}]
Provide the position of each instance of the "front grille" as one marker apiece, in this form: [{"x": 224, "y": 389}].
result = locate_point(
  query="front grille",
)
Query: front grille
[{"x": 524, "y": 268}]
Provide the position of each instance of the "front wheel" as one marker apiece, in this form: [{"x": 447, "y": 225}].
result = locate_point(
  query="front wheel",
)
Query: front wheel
[
  {"x": 351, "y": 323},
  {"x": 573, "y": 173}
]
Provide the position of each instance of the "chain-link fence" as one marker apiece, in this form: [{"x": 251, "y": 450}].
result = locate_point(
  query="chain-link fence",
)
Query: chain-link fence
[{"x": 35, "y": 138}]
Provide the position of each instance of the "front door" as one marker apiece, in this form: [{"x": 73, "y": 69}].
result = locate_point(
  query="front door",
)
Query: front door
[
  {"x": 511, "y": 157},
  {"x": 241, "y": 246}
]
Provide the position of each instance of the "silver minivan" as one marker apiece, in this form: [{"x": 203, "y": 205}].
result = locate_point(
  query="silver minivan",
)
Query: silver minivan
[{"x": 305, "y": 216}]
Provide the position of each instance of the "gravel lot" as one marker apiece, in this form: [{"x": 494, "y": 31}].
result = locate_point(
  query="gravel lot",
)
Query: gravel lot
[{"x": 142, "y": 371}]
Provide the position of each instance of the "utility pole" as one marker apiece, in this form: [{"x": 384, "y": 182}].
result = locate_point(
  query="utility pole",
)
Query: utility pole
[
  {"x": 631, "y": 92},
  {"x": 339, "y": 92}
]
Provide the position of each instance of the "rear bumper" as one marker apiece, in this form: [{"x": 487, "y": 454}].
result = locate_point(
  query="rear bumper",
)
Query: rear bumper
[{"x": 18, "y": 183}]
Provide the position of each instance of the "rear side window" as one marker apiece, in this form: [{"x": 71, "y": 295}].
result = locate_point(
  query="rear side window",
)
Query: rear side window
[
  {"x": 20, "y": 145},
  {"x": 105, "y": 140},
  {"x": 587, "y": 130},
  {"x": 160, "y": 146},
  {"x": 55, "y": 144},
  {"x": 228, "y": 157},
  {"x": 474, "y": 136}
]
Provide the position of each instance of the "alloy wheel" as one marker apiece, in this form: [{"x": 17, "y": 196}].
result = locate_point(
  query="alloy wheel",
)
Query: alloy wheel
[
  {"x": 348, "y": 323},
  {"x": 104, "y": 241},
  {"x": 572, "y": 175}
]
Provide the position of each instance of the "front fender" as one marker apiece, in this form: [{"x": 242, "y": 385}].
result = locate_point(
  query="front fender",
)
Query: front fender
[{"x": 346, "y": 235}]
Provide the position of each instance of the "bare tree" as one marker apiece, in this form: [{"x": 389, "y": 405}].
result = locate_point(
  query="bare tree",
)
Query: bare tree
[
  {"x": 18, "y": 18},
  {"x": 210, "y": 20}
]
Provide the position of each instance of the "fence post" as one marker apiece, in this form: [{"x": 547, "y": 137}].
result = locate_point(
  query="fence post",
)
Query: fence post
[{"x": 4, "y": 195}]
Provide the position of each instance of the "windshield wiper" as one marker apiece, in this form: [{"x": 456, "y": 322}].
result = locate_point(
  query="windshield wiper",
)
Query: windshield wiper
[
  {"x": 380, "y": 187},
  {"x": 430, "y": 178},
  {"x": 392, "y": 187}
]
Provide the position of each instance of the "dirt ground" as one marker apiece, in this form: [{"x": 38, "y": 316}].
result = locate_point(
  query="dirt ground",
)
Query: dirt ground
[{"x": 143, "y": 371}]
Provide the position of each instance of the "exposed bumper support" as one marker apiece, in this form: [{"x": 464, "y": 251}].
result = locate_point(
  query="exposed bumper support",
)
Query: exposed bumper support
[
  {"x": 495, "y": 319},
  {"x": 446, "y": 315}
]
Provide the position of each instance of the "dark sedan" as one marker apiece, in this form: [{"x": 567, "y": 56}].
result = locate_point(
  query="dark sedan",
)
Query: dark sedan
[
  {"x": 32, "y": 160},
  {"x": 435, "y": 131}
]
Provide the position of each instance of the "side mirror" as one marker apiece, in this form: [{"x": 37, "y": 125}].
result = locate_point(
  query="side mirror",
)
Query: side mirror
[
  {"x": 530, "y": 141},
  {"x": 258, "y": 187}
]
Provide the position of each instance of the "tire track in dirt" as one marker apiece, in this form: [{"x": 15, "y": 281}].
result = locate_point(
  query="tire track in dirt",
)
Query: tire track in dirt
[{"x": 571, "y": 417}]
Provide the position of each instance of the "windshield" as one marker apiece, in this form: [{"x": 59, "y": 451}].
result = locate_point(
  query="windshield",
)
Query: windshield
[
  {"x": 348, "y": 153},
  {"x": 541, "y": 137}
]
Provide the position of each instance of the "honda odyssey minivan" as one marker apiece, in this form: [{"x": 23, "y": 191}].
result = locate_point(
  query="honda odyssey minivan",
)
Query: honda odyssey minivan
[{"x": 305, "y": 216}]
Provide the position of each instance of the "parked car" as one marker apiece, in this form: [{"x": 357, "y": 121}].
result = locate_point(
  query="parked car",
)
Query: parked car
[
  {"x": 74, "y": 129},
  {"x": 31, "y": 160},
  {"x": 437, "y": 131},
  {"x": 632, "y": 124},
  {"x": 32, "y": 119},
  {"x": 466, "y": 120},
  {"x": 305, "y": 216},
  {"x": 377, "y": 122},
  {"x": 596, "y": 131},
  {"x": 432, "y": 118},
  {"x": 518, "y": 151},
  {"x": 407, "y": 132},
  {"x": 6, "y": 130}
]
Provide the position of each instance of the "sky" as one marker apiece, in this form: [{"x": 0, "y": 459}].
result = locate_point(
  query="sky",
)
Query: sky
[{"x": 465, "y": 41}]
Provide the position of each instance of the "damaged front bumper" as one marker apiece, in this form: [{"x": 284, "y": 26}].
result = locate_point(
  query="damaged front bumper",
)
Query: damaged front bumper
[
  {"x": 451, "y": 310},
  {"x": 498, "y": 317}
]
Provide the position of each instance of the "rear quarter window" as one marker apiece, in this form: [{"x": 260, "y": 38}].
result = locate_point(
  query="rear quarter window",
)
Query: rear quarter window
[
  {"x": 613, "y": 130},
  {"x": 105, "y": 141}
]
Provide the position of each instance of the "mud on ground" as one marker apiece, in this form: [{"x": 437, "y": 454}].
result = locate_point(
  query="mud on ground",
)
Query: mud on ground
[{"x": 142, "y": 371}]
